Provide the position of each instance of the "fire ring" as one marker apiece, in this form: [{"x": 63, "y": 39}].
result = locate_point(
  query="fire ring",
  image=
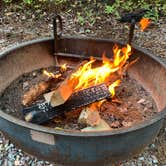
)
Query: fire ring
[{"x": 68, "y": 147}]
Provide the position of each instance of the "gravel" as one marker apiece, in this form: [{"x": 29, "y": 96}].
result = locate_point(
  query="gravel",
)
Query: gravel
[{"x": 17, "y": 27}]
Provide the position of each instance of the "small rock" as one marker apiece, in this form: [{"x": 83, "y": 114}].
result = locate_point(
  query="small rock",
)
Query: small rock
[
  {"x": 25, "y": 85},
  {"x": 152, "y": 146},
  {"x": 141, "y": 158},
  {"x": 81, "y": 30},
  {"x": 2, "y": 41},
  {"x": 1, "y": 161},
  {"x": 9, "y": 163},
  {"x": 154, "y": 158},
  {"x": 115, "y": 124},
  {"x": 50, "y": 25},
  {"x": 17, "y": 162},
  {"x": 126, "y": 124},
  {"x": 23, "y": 18},
  {"x": 141, "y": 101},
  {"x": 34, "y": 74}
]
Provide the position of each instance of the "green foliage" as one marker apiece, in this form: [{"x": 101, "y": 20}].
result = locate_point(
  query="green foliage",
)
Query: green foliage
[
  {"x": 81, "y": 19},
  {"x": 7, "y": 1},
  {"x": 29, "y": 2},
  {"x": 154, "y": 7},
  {"x": 88, "y": 17},
  {"x": 88, "y": 10}
]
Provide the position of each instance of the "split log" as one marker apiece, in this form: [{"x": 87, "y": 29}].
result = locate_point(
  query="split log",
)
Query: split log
[
  {"x": 89, "y": 116},
  {"x": 35, "y": 92}
]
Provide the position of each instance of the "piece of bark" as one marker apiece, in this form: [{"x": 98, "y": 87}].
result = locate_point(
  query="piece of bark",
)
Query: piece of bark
[
  {"x": 102, "y": 126},
  {"x": 89, "y": 117},
  {"x": 64, "y": 91},
  {"x": 35, "y": 92}
]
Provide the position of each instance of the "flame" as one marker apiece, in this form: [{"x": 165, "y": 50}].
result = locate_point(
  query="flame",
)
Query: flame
[
  {"x": 112, "y": 87},
  {"x": 63, "y": 68},
  {"x": 51, "y": 75},
  {"x": 144, "y": 23},
  {"x": 87, "y": 75}
]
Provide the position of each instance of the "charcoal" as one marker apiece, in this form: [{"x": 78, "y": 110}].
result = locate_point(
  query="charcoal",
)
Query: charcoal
[{"x": 44, "y": 112}]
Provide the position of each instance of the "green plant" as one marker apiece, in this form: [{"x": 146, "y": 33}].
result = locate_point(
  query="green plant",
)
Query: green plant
[
  {"x": 154, "y": 7},
  {"x": 81, "y": 19},
  {"x": 29, "y": 2},
  {"x": 7, "y": 1}
]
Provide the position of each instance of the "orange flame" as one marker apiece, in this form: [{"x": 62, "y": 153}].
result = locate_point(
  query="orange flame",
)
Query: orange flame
[
  {"x": 144, "y": 23},
  {"x": 87, "y": 75}
]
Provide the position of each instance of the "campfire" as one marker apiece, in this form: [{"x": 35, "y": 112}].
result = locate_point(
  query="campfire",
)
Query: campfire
[
  {"x": 84, "y": 92},
  {"x": 87, "y": 88},
  {"x": 81, "y": 103}
]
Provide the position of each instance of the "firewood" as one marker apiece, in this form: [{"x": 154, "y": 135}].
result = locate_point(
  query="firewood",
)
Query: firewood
[
  {"x": 35, "y": 92},
  {"x": 43, "y": 112},
  {"x": 89, "y": 116},
  {"x": 63, "y": 92},
  {"x": 102, "y": 126}
]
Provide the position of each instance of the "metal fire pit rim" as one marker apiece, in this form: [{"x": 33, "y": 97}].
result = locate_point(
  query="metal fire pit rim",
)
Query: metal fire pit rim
[
  {"x": 44, "y": 39},
  {"x": 39, "y": 128}
]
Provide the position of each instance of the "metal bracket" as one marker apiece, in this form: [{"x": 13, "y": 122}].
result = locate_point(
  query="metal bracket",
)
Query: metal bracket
[
  {"x": 57, "y": 24},
  {"x": 132, "y": 19}
]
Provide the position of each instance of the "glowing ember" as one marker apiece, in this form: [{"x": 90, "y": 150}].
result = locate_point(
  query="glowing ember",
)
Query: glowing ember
[
  {"x": 144, "y": 23},
  {"x": 63, "y": 68},
  {"x": 51, "y": 75}
]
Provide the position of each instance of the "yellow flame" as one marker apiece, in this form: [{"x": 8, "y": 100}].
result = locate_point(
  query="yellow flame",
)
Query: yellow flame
[{"x": 112, "y": 87}]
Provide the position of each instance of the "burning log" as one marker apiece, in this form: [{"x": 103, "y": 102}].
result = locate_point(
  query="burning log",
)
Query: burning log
[
  {"x": 44, "y": 112},
  {"x": 40, "y": 88},
  {"x": 63, "y": 92}
]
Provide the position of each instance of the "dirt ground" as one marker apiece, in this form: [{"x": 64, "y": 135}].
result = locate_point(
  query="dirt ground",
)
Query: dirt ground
[{"x": 16, "y": 27}]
